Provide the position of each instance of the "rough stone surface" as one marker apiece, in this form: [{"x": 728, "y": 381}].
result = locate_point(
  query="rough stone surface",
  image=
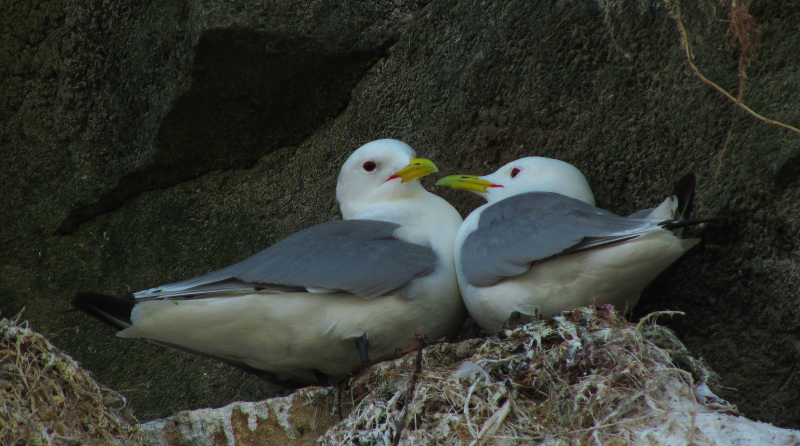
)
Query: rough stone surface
[
  {"x": 294, "y": 420},
  {"x": 147, "y": 142}
]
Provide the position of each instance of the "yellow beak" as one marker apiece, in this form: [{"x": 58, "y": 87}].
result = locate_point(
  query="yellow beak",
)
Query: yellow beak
[
  {"x": 466, "y": 182},
  {"x": 417, "y": 168}
]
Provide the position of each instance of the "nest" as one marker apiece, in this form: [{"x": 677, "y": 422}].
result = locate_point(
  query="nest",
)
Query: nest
[
  {"x": 585, "y": 377},
  {"x": 46, "y": 398}
]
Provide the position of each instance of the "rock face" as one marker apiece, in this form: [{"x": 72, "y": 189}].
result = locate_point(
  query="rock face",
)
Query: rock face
[
  {"x": 146, "y": 142},
  {"x": 295, "y": 420}
]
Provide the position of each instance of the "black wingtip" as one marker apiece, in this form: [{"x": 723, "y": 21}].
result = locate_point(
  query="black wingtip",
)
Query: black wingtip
[
  {"x": 114, "y": 311},
  {"x": 684, "y": 190},
  {"x": 671, "y": 225}
]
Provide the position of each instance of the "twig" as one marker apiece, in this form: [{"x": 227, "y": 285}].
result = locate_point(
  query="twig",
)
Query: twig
[
  {"x": 466, "y": 408},
  {"x": 53, "y": 335},
  {"x": 655, "y": 315},
  {"x": 493, "y": 423},
  {"x": 742, "y": 27},
  {"x": 419, "y": 344},
  {"x": 18, "y": 317},
  {"x": 339, "y": 400},
  {"x": 588, "y": 429},
  {"x": 694, "y": 421}
]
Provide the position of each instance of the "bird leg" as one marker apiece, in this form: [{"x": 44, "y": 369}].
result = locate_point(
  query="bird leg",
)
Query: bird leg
[
  {"x": 517, "y": 319},
  {"x": 321, "y": 377},
  {"x": 514, "y": 320},
  {"x": 362, "y": 344}
]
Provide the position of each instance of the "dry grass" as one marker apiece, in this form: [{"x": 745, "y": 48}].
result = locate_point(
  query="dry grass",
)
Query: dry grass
[
  {"x": 46, "y": 398},
  {"x": 586, "y": 377}
]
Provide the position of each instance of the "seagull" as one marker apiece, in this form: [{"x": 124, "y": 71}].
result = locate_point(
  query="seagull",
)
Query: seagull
[
  {"x": 314, "y": 306},
  {"x": 539, "y": 244}
]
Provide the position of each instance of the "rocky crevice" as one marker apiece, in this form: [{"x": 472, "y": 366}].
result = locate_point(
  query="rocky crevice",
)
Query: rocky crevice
[{"x": 251, "y": 93}]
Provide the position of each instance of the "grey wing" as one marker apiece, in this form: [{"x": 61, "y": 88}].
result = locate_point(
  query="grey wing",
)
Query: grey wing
[
  {"x": 361, "y": 257},
  {"x": 522, "y": 229},
  {"x": 643, "y": 213}
]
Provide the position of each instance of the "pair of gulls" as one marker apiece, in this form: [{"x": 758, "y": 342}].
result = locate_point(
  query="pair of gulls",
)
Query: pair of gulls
[{"x": 310, "y": 308}]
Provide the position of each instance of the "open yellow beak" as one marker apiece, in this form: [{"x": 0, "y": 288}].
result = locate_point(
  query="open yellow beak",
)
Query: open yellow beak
[
  {"x": 467, "y": 182},
  {"x": 417, "y": 168}
]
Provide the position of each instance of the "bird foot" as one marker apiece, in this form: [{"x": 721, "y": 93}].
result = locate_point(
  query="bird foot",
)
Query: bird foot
[
  {"x": 321, "y": 378},
  {"x": 362, "y": 344},
  {"x": 517, "y": 319}
]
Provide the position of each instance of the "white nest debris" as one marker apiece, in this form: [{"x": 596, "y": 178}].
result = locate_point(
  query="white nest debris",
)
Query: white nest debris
[{"x": 585, "y": 377}]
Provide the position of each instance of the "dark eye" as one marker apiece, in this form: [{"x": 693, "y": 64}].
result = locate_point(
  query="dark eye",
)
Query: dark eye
[
  {"x": 369, "y": 166},
  {"x": 515, "y": 171}
]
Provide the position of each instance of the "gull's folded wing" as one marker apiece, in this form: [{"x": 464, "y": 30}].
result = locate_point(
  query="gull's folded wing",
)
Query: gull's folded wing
[
  {"x": 361, "y": 257},
  {"x": 524, "y": 228}
]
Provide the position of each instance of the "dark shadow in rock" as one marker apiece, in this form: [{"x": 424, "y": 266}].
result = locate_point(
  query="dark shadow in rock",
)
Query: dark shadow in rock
[
  {"x": 787, "y": 169},
  {"x": 252, "y": 93}
]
